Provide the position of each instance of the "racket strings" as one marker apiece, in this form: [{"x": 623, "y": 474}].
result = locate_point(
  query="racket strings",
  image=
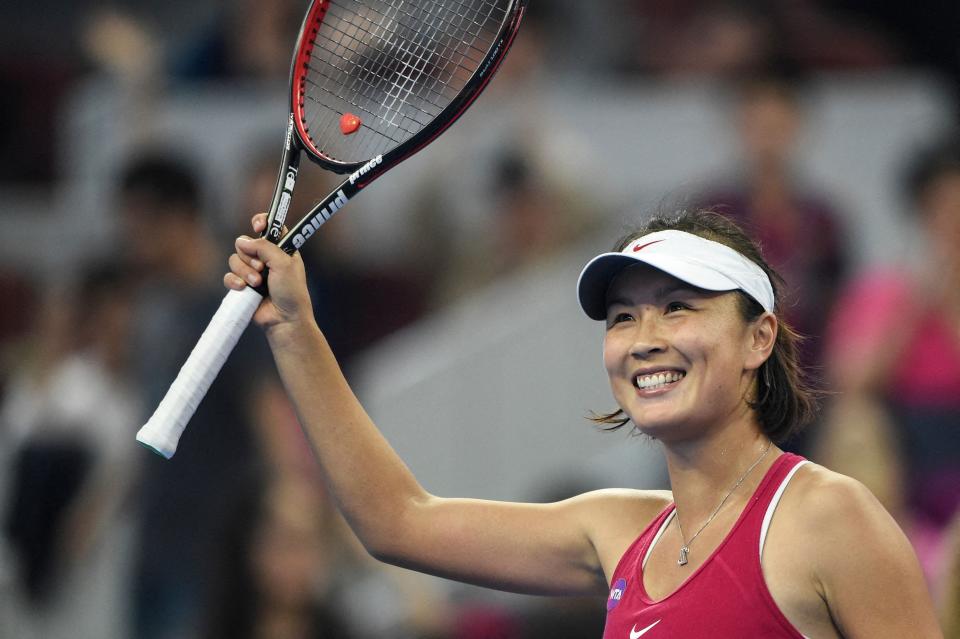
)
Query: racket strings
[
  {"x": 413, "y": 59},
  {"x": 367, "y": 80},
  {"x": 396, "y": 64}
]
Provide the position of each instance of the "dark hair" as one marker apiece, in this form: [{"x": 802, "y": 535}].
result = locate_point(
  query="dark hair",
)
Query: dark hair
[
  {"x": 785, "y": 400},
  {"x": 929, "y": 165},
  {"x": 162, "y": 178}
]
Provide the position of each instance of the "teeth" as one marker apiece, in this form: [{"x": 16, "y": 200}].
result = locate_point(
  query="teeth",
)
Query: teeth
[{"x": 657, "y": 380}]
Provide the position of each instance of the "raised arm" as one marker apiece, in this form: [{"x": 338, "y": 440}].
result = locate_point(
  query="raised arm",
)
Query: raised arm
[{"x": 542, "y": 548}]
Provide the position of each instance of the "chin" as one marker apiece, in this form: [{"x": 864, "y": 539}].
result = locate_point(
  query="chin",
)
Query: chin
[{"x": 659, "y": 428}]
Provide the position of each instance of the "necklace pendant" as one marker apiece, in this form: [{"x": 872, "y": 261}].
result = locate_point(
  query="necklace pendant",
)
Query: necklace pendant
[{"x": 683, "y": 556}]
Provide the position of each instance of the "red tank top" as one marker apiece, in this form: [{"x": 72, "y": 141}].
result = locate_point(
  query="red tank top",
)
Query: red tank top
[{"x": 725, "y": 598}]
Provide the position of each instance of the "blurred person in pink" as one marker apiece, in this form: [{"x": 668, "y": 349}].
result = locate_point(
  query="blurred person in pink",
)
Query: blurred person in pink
[{"x": 894, "y": 358}]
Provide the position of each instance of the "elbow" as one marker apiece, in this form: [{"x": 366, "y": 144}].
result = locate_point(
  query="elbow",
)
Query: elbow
[{"x": 393, "y": 538}]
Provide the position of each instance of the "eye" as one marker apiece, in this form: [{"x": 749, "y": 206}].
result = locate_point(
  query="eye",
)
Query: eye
[
  {"x": 618, "y": 318},
  {"x": 675, "y": 306}
]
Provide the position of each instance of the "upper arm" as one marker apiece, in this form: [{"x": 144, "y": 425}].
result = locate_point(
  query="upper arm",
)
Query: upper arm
[
  {"x": 558, "y": 548},
  {"x": 863, "y": 564}
]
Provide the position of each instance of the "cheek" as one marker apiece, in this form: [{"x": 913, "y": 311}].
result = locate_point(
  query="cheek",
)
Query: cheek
[
  {"x": 608, "y": 358},
  {"x": 614, "y": 351}
]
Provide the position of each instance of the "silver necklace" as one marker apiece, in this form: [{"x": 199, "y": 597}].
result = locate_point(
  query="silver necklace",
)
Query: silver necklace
[{"x": 685, "y": 549}]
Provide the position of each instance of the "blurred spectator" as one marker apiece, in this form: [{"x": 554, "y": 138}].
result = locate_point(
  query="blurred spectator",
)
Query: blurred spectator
[
  {"x": 179, "y": 270},
  {"x": 17, "y": 325},
  {"x": 120, "y": 45},
  {"x": 250, "y": 40},
  {"x": 276, "y": 557},
  {"x": 799, "y": 229},
  {"x": 67, "y": 425},
  {"x": 519, "y": 203},
  {"x": 894, "y": 358},
  {"x": 732, "y": 38},
  {"x": 726, "y": 38},
  {"x": 530, "y": 219}
]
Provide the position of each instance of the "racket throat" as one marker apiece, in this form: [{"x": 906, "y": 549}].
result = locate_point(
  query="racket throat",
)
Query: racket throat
[
  {"x": 283, "y": 193},
  {"x": 322, "y": 212}
]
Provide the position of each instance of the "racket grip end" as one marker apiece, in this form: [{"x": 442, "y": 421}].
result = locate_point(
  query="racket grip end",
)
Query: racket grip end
[{"x": 162, "y": 432}]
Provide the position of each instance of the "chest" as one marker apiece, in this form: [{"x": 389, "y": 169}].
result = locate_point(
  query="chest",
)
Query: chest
[{"x": 727, "y": 588}]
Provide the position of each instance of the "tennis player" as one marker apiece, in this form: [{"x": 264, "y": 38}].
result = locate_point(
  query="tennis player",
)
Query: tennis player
[{"x": 751, "y": 541}]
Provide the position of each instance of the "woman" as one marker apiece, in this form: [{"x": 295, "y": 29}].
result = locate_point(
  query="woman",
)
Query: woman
[{"x": 690, "y": 326}]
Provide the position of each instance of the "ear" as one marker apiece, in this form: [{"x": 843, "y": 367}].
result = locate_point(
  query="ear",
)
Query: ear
[{"x": 761, "y": 338}]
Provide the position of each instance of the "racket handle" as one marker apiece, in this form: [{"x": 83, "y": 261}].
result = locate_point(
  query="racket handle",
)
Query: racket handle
[{"x": 162, "y": 431}]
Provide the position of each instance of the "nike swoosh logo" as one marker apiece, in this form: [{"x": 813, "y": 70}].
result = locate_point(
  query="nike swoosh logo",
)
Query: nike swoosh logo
[
  {"x": 643, "y": 246},
  {"x": 634, "y": 633}
]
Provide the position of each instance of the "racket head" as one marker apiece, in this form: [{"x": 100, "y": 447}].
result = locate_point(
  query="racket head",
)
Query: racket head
[{"x": 398, "y": 73}]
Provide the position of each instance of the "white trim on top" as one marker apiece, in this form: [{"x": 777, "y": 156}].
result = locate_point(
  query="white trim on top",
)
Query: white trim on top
[{"x": 773, "y": 505}]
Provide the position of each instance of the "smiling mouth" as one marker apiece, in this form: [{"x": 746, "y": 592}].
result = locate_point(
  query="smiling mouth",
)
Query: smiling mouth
[{"x": 656, "y": 381}]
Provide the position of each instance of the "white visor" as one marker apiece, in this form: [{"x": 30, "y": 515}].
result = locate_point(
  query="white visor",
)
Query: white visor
[{"x": 695, "y": 260}]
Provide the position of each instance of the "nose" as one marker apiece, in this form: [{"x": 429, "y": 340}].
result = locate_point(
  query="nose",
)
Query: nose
[{"x": 647, "y": 338}]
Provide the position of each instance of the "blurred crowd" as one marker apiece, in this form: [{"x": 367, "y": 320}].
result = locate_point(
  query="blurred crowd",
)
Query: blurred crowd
[{"x": 234, "y": 537}]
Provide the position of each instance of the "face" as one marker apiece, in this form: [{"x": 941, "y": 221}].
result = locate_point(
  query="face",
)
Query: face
[
  {"x": 769, "y": 125},
  {"x": 680, "y": 359},
  {"x": 942, "y": 217},
  {"x": 289, "y": 556}
]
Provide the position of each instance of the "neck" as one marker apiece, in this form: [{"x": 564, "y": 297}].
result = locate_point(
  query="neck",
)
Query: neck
[
  {"x": 197, "y": 263},
  {"x": 703, "y": 472},
  {"x": 283, "y": 623}
]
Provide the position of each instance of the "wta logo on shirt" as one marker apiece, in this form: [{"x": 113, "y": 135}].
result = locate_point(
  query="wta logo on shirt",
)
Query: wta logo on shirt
[{"x": 616, "y": 594}]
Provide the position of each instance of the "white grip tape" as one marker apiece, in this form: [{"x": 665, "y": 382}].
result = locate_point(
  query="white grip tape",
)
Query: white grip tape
[{"x": 162, "y": 431}]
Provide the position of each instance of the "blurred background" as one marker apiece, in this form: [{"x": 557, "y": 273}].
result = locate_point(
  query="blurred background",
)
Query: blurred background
[{"x": 137, "y": 139}]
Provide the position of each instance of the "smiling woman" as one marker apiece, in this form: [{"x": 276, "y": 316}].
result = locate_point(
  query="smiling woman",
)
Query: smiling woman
[
  {"x": 784, "y": 400},
  {"x": 750, "y": 542}
]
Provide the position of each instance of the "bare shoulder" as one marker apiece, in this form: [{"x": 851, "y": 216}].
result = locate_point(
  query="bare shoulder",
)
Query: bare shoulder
[
  {"x": 860, "y": 562},
  {"x": 826, "y": 510},
  {"x": 830, "y": 503},
  {"x": 615, "y": 517}
]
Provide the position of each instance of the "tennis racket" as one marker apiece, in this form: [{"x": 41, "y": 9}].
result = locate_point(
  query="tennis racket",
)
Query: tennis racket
[{"x": 372, "y": 82}]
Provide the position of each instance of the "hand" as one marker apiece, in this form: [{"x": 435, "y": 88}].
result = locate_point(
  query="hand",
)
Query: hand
[{"x": 288, "y": 303}]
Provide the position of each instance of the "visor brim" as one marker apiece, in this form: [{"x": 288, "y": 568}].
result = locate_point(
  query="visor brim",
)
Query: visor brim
[{"x": 599, "y": 273}]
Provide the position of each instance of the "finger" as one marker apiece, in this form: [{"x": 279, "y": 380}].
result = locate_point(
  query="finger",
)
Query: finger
[
  {"x": 234, "y": 281},
  {"x": 259, "y": 223},
  {"x": 246, "y": 257},
  {"x": 244, "y": 271},
  {"x": 268, "y": 253}
]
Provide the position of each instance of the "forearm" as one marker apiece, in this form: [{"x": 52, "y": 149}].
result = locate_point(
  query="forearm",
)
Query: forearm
[{"x": 371, "y": 485}]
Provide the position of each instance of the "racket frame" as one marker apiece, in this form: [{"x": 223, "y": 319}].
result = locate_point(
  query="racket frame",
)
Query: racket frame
[
  {"x": 162, "y": 431},
  {"x": 362, "y": 173}
]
